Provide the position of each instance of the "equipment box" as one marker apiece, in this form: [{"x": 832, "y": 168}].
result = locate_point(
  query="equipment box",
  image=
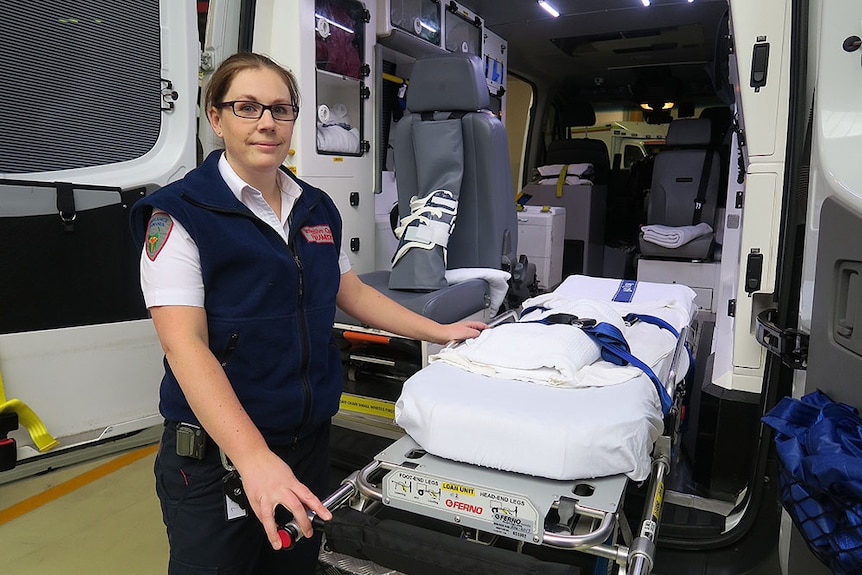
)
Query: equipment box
[{"x": 541, "y": 234}]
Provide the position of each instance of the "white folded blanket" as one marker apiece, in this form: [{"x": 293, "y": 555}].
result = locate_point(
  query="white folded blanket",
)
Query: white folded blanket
[
  {"x": 498, "y": 281},
  {"x": 337, "y": 138},
  {"x": 535, "y": 352},
  {"x": 674, "y": 236},
  {"x": 582, "y": 170}
]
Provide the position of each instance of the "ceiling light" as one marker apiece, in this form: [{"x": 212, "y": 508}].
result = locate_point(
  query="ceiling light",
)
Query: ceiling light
[
  {"x": 645, "y": 2},
  {"x": 649, "y": 107},
  {"x": 549, "y": 9}
]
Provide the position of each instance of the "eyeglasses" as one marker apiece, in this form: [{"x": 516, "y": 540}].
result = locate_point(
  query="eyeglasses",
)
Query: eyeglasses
[{"x": 254, "y": 110}]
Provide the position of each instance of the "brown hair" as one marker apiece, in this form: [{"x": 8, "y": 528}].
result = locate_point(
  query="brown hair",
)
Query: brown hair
[{"x": 224, "y": 75}]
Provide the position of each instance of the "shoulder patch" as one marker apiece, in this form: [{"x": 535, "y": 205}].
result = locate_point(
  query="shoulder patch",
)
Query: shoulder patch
[
  {"x": 321, "y": 234},
  {"x": 158, "y": 231}
]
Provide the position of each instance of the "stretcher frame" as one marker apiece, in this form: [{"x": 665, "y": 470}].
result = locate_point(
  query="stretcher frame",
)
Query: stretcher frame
[{"x": 592, "y": 512}]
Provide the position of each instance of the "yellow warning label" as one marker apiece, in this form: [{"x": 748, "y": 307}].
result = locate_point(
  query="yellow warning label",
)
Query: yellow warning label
[
  {"x": 462, "y": 489},
  {"x": 657, "y": 502},
  {"x": 367, "y": 406}
]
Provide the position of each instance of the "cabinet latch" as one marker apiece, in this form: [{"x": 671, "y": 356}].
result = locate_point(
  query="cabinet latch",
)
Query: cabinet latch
[{"x": 791, "y": 345}]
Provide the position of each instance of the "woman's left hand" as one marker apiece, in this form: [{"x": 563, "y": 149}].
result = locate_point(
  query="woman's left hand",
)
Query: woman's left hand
[{"x": 462, "y": 330}]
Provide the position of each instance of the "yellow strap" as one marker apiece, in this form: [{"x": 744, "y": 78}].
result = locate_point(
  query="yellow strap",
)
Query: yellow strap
[
  {"x": 28, "y": 418},
  {"x": 562, "y": 180}
]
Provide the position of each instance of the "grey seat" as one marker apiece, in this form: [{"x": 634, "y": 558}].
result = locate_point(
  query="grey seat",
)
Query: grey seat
[
  {"x": 580, "y": 149},
  {"x": 685, "y": 174},
  {"x": 448, "y": 139}
]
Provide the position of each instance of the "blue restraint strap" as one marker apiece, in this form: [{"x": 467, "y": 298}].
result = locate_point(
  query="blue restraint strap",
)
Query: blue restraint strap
[
  {"x": 615, "y": 348},
  {"x": 632, "y": 317}
]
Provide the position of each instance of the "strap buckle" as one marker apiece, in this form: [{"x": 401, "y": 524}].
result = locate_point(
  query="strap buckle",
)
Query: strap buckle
[{"x": 569, "y": 319}]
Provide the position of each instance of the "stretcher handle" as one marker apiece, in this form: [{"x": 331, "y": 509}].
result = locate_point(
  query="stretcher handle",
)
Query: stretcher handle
[
  {"x": 599, "y": 535},
  {"x": 505, "y": 317},
  {"x": 289, "y": 531}
]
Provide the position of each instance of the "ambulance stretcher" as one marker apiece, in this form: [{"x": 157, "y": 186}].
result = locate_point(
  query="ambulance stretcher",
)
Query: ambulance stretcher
[{"x": 526, "y": 463}]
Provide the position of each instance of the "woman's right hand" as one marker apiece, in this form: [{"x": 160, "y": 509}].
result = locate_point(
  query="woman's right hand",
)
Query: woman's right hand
[{"x": 268, "y": 482}]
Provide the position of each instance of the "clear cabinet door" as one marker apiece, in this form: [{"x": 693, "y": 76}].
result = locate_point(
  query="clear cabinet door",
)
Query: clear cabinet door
[
  {"x": 418, "y": 17},
  {"x": 340, "y": 72}
]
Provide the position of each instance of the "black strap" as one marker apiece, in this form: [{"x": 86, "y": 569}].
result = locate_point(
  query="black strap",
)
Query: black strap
[
  {"x": 66, "y": 206},
  {"x": 701, "y": 188},
  {"x": 418, "y": 551},
  {"x": 429, "y": 116}
]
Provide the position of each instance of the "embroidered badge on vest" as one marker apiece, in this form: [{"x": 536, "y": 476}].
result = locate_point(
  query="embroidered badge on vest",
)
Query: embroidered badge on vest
[
  {"x": 158, "y": 231},
  {"x": 321, "y": 234}
]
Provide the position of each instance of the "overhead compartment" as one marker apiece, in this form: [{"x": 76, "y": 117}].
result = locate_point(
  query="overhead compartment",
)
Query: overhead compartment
[{"x": 464, "y": 29}]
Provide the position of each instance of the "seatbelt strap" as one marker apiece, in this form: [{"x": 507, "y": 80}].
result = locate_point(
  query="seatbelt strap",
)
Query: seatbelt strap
[
  {"x": 561, "y": 181},
  {"x": 701, "y": 188},
  {"x": 28, "y": 418},
  {"x": 614, "y": 347}
]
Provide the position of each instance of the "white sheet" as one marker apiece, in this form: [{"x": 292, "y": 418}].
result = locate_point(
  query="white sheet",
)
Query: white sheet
[{"x": 554, "y": 432}]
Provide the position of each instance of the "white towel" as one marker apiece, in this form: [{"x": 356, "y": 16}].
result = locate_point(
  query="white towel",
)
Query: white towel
[
  {"x": 498, "y": 280},
  {"x": 526, "y": 351},
  {"x": 570, "y": 181},
  {"x": 674, "y": 236},
  {"x": 581, "y": 170},
  {"x": 336, "y": 138}
]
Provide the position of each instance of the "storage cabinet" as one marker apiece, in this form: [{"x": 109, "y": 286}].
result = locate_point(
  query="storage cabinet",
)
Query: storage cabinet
[
  {"x": 464, "y": 30},
  {"x": 420, "y": 18},
  {"x": 340, "y": 76},
  {"x": 332, "y": 144}
]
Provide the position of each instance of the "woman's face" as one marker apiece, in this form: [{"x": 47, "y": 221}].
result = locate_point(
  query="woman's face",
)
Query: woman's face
[{"x": 254, "y": 148}]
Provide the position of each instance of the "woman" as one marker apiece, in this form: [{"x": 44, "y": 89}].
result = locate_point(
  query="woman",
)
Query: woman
[{"x": 241, "y": 270}]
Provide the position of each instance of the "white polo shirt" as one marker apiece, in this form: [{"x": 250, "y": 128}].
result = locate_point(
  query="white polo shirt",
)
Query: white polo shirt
[{"x": 173, "y": 276}]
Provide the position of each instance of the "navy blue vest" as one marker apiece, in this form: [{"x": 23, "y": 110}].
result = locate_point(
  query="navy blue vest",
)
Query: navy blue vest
[{"x": 270, "y": 306}]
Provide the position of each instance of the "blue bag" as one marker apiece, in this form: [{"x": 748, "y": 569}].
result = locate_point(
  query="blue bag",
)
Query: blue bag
[{"x": 819, "y": 446}]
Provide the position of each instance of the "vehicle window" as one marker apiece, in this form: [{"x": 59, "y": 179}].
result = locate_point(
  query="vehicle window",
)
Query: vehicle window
[
  {"x": 107, "y": 109},
  {"x": 631, "y": 154}
]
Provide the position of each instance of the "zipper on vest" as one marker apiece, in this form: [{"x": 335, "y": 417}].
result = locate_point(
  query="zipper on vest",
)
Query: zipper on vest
[
  {"x": 303, "y": 328},
  {"x": 229, "y": 349}
]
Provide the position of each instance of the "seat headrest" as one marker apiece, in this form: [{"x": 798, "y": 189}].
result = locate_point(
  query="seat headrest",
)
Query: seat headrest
[
  {"x": 577, "y": 114},
  {"x": 448, "y": 82},
  {"x": 721, "y": 118},
  {"x": 689, "y": 132}
]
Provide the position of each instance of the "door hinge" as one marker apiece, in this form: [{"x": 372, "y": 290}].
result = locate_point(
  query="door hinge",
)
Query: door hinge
[
  {"x": 207, "y": 63},
  {"x": 791, "y": 345},
  {"x": 731, "y": 308},
  {"x": 169, "y": 95}
]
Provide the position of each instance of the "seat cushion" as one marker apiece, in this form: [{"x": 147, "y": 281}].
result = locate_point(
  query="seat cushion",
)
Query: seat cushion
[
  {"x": 450, "y": 304},
  {"x": 699, "y": 248}
]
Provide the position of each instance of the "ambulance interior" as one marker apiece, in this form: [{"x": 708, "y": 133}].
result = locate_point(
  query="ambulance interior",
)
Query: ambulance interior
[{"x": 720, "y": 124}]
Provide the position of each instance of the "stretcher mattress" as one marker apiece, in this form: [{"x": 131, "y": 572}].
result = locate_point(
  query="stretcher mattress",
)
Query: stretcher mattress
[{"x": 602, "y": 422}]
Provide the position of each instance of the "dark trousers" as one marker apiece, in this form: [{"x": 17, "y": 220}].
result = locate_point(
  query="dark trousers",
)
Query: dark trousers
[{"x": 201, "y": 538}]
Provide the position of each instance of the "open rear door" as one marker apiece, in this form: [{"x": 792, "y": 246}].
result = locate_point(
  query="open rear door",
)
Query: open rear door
[
  {"x": 98, "y": 108},
  {"x": 831, "y": 298}
]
